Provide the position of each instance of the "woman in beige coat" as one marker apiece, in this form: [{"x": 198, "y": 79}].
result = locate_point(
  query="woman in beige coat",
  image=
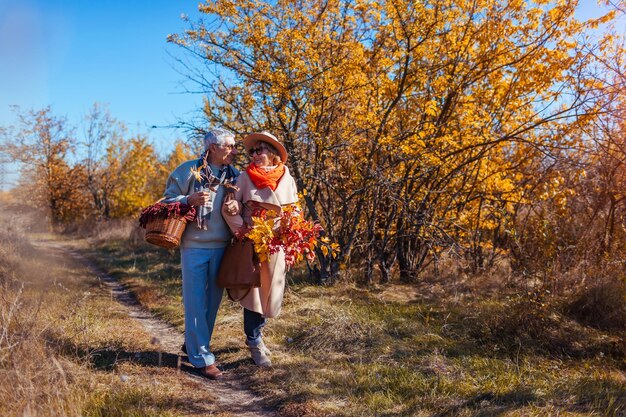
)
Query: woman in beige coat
[{"x": 265, "y": 185}]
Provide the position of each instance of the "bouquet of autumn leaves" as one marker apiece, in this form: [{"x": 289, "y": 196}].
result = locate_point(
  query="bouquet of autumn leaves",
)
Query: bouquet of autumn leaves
[{"x": 288, "y": 230}]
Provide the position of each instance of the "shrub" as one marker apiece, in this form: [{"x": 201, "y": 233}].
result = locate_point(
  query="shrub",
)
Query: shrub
[{"x": 602, "y": 305}]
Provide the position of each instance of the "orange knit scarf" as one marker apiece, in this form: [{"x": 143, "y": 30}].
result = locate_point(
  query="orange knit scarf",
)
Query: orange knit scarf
[{"x": 262, "y": 178}]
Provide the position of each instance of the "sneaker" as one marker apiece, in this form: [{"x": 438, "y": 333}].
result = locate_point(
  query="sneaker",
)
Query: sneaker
[{"x": 259, "y": 354}]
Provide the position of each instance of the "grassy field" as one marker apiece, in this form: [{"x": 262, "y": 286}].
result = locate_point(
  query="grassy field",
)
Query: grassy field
[
  {"x": 440, "y": 348},
  {"x": 68, "y": 349}
]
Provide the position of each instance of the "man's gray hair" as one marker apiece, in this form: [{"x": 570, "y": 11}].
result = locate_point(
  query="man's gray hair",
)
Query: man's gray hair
[{"x": 218, "y": 136}]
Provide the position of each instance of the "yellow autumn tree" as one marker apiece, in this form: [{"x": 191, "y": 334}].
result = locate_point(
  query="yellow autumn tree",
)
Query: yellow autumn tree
[
  {"x": 573, "y": 209},
  {"x": 179, "y": 154},
  {"x": 41, "y": 142},
  {"x": 413, "y": 127},
  {"x": 136, "y": 183}
]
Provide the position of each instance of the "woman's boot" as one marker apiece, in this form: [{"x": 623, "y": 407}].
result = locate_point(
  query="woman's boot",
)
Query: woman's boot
[{"x": 259, "y": 354}]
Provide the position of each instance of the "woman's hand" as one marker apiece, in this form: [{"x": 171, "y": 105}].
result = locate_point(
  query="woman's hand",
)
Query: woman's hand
[{"x": 232, "y": 207}]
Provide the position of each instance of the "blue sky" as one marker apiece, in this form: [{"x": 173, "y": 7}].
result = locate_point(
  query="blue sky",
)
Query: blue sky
[{"x": 72, "y": 53}]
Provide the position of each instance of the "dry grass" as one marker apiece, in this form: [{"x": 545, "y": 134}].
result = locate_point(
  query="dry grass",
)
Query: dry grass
[
  {"x": 439, "y": 348},
  {"x": 31, "y": 380},
  {"x": 68, "y": 349},
  {"x": 433, "y": 359}
]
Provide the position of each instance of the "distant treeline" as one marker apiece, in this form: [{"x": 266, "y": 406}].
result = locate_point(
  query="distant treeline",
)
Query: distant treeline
[{"x": 102, "y": 174}]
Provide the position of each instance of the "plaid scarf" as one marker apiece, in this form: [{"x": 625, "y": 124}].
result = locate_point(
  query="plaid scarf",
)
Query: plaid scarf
[{"x": 210, "y": 183}]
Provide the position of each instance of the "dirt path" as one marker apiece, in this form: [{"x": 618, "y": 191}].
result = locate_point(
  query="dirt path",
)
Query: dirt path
[{"x": 232, "y": 397}]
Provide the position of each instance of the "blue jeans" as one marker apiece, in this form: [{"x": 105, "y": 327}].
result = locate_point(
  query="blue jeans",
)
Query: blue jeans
[
  {"x": 253, "y": 323},
  {"x": 201, "y": 300}
]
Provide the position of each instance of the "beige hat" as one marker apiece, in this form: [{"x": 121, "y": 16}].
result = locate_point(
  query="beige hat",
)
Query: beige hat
[{"x": 253, "y": 138}]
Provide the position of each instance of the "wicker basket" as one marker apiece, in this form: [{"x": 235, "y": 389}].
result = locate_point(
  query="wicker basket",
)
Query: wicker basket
[{"x": 165, "y": 232}]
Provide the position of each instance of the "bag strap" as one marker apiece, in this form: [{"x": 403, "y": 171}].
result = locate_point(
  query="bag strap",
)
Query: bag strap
[{"x": 231, "y": 298}]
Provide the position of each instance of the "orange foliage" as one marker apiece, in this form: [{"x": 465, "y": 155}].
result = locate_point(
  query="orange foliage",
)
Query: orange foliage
[{"x": 414, "y": 127}]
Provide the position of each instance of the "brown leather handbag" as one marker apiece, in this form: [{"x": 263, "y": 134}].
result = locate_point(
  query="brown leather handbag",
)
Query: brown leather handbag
[{"x": 240, "y": 268}]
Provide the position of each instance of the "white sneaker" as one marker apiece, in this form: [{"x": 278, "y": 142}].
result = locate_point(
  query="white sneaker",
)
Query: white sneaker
[{"x": 259, "y": 354}]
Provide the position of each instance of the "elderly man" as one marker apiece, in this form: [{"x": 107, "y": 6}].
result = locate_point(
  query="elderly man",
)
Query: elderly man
[{"x": 200, "y": 183}]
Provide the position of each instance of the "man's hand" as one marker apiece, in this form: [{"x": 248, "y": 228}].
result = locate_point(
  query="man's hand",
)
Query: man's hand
[{"x": 199, "y": 199}]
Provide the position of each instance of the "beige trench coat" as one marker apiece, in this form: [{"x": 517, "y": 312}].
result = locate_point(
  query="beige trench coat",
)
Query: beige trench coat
[{"x": 268, "y": 299}]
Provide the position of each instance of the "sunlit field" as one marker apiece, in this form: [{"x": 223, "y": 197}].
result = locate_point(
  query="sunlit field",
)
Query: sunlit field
[{"x": 464, "y": 346}]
